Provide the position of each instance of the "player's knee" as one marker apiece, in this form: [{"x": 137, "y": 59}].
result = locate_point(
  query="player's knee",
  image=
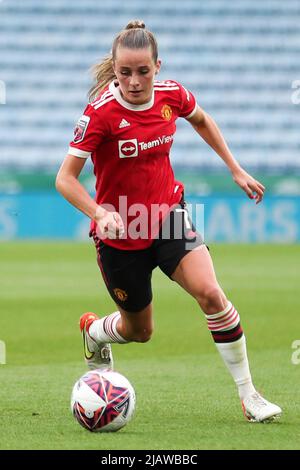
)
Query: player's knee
[
  {"x": 211, "y": 299},
  {"x": 143, "y": 336}
]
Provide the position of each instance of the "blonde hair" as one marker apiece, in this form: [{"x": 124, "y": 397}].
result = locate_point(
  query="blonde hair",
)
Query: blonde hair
[{"x": 134, "y": 36}]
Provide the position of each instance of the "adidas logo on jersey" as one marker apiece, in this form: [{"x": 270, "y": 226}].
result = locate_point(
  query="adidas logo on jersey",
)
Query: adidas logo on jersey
[{"x": 123, "y": 123}]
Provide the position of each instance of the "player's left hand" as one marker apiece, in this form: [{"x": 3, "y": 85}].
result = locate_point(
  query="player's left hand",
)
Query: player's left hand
[{"x": 253, "y": 188}]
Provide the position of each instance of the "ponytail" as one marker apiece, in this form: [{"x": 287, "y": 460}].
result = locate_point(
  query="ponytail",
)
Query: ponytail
[{"x": 103, "y": 74}]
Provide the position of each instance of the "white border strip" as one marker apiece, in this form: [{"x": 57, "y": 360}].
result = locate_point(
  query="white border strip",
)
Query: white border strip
[
  {"x": 192, "y": 113},
  {"x": 78, "y": 153}
]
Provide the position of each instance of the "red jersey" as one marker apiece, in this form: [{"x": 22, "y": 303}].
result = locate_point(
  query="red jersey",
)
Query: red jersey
[{"x": 130, "y": 146}]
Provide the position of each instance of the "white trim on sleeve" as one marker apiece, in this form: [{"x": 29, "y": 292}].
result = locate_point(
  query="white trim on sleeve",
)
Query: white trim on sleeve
[
  {"x": 192, "y": 113},
  {"x": 78, "y": 153}
]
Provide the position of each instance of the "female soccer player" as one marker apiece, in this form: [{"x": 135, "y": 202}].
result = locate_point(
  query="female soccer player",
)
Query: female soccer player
[{"x": 139, "y": 219}]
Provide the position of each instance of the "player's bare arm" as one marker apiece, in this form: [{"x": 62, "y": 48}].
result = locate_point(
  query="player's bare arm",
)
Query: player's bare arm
[
  {"x": 67, "y": 183},
  {"x": 207, "y": 128}
]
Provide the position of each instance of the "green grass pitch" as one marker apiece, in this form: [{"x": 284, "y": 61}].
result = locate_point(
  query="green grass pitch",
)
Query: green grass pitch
[{"x": 185, "y": 396}]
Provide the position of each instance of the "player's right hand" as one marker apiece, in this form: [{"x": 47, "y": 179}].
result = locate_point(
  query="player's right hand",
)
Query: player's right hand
[{"x": 110, "y": 225}]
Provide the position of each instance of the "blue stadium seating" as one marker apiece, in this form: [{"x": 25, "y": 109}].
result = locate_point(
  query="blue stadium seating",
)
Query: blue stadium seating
[{"x": 239, "y": 58}]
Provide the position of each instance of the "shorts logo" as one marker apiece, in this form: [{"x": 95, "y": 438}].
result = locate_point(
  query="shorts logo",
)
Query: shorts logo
[
  {"x": 128, "y": 148},
  {"x": 166, "y": 112},
  {"x": 120, "y": 294},
  {"x": 80, "y": 129}
]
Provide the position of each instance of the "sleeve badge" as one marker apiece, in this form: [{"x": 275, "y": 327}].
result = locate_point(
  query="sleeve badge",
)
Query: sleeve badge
[{"x": 80, "y": 129}]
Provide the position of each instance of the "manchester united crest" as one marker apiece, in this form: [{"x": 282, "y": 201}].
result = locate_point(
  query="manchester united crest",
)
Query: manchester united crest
[
  {"x": 120, "y": 294},
  {"x": 166, "y": 112}
]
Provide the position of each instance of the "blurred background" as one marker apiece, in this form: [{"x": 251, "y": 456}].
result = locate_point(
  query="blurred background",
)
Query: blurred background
[{"x": 240, "y": 59}]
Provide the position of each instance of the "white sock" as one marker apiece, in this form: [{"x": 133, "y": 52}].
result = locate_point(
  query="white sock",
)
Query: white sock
[
  {"x": 105, "y": 330},
  {"x": 231, "y": 343},
  {"x": 235, "y": 357}
]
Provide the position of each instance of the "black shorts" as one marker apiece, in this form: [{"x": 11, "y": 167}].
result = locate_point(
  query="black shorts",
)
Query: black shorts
[{"x": 127, "y": 274}]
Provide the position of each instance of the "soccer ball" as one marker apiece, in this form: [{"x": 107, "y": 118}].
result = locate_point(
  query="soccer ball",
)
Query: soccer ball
[{"x": 103, "y": 400}]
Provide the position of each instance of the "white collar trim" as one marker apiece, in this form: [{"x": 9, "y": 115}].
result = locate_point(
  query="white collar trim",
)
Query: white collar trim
[{"x": 115, "y": 90}]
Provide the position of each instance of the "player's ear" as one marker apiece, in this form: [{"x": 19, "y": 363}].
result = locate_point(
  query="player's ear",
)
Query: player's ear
[{"x": 157, "y": 66}]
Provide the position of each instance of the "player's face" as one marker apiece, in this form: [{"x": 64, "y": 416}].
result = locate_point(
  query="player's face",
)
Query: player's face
[{"x": 135, "y": 71}]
